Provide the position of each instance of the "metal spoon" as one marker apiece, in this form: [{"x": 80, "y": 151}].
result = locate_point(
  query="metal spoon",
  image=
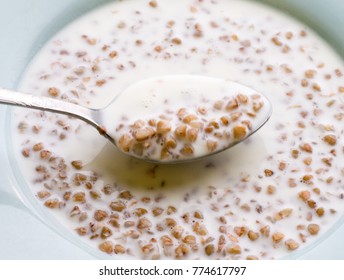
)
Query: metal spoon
[{"x": 158, "y": 99}]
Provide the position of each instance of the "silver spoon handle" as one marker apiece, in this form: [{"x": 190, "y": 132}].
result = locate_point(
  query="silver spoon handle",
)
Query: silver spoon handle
[{"x": 10, "y": 97}]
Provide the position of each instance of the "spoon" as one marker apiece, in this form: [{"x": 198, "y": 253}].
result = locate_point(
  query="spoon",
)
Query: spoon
[{"x": 167, "y": 119}]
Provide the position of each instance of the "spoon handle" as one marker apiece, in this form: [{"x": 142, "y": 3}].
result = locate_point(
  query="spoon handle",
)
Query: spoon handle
[{"x": 10, "y": 97}]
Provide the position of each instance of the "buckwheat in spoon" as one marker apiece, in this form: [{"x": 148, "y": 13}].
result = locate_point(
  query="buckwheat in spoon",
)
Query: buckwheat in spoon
[{"x": 168, "y": 119}]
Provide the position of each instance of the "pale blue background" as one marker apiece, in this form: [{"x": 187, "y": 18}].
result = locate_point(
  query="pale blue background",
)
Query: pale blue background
[{"x": 24, "y": 26}]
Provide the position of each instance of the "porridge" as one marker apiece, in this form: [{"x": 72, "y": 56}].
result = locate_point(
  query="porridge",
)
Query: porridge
[
  {"x": 274, "y": 194},
  {"x": 179, "y": 118}
]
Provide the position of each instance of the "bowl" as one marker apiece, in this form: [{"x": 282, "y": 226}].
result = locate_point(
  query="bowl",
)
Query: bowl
[{"x": 24, "y": 28}]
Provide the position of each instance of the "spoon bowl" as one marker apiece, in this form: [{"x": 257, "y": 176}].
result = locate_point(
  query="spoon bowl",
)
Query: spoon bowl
[{"x": 167, "y": 119}]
